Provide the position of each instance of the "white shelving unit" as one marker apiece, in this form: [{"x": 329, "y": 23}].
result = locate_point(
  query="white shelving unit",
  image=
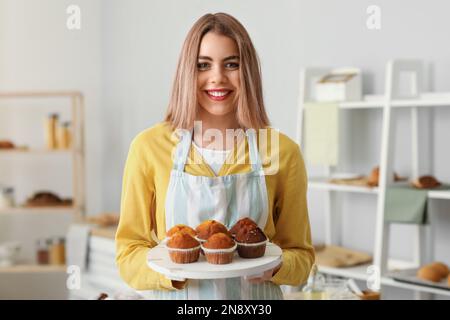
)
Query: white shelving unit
[
  {"x": 75, "y": 101},
  {"x": 387, "y": 104}
]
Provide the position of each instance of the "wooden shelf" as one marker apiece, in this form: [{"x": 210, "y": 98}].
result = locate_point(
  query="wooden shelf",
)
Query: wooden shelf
[
  {"x": 34, "y": 151},
  {"x": 323, "y": 184},
  {"x": 33, "y": 268},
  {"x": 38, "y": 210}
]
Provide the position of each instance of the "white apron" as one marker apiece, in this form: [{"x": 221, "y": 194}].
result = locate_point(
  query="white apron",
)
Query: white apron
[{"x": 191, "y": 200}]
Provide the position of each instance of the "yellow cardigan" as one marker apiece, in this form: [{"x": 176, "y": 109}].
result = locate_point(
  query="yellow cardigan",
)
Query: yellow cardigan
[{"x": 145, "y": 181}]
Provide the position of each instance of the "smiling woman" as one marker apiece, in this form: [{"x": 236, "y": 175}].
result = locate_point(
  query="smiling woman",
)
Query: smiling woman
[{"x": 217, "y": 87}]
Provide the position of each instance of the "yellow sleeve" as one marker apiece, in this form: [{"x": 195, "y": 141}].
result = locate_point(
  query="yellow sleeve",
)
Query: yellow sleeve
[
  {"x": 133, "y": 238},
  {"x": 292, "y": 228}
]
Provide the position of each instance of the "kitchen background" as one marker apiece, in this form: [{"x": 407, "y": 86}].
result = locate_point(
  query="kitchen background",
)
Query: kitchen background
[{"x": 124, "y": 57}]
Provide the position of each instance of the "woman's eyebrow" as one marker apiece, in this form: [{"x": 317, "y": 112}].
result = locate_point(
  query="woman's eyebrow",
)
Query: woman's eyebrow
[{"x": 226, "y": 59}]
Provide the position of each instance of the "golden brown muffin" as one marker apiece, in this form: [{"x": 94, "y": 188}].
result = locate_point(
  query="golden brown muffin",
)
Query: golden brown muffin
[
  {"x": 183, "y": 248},
  {"x": 182, "y": 228},
  {"x": 251, "y": 242},
  {"x": 441, "y": 268},
  {"x": 182, "y": 240},
  {"x": 448, "y": 280},
  {"x": 426, "y": 182},
  {"x": 241, "y": 224},
  {"x": 219, "y": 241},
  {"x": 429, "y": 273},
  {"x": 208, "y": 228},
  {"x": 219, "y": 248}
]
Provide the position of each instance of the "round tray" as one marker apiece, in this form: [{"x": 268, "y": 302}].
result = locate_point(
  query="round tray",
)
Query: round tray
[{"x": 158, "y": 259}]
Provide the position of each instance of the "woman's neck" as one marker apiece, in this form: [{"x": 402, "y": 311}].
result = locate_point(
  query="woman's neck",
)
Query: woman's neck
[{"x": 210, "y": 128}]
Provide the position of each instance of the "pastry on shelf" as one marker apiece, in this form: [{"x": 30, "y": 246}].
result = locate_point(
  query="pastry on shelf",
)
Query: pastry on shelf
[
  {"x": 373, "y": 178},
  {"x": 5, "y": 144},
  {"x": 434, "y": 272},
  {"x": 426, "y": 182},
  {"x": 47, "y": 199}
]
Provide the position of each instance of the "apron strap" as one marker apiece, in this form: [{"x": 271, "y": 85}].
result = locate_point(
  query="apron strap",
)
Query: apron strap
[
  {"x": 182, "y": 150},
  {"x": 255, "y": 159}
]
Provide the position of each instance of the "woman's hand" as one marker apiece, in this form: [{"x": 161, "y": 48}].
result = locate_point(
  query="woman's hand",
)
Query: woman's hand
[{"x": 266, "y": 276}]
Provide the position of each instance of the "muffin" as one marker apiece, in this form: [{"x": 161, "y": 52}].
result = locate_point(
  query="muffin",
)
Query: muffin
[
  {"x": 241, "y": 224},
  {"x": 251, "y": 242},
  {"x": 208, "y": 228},
  {"x": 429, "y": 273},
  {"x": 182, "y": 228},
  {"x": 448, "y": 280},
  {"x": 219, "y": 248},
  {"x": 183, "y": 248}
]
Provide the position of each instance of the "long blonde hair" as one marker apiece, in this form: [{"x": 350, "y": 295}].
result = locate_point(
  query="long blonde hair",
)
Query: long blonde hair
[{"x": 250, "y": 112}]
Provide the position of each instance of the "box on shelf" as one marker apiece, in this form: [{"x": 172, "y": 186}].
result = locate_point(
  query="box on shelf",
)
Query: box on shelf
[{"x": 342, "y": 84}]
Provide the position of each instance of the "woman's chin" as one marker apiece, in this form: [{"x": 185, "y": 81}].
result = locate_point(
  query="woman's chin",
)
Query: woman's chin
[{"x": 218, "y": 111}]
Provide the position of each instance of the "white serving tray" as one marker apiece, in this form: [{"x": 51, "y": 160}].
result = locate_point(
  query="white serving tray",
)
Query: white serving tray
[{"x": 158, "y": 259}]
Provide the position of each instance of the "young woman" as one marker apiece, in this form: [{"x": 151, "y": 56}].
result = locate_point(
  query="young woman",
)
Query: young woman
[{"x": 167, "y": 182}]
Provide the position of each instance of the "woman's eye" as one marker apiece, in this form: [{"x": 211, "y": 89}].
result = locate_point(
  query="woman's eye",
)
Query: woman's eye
[
  {"x": 232, "y": 65},
  {"x": 202, "y": 65}
]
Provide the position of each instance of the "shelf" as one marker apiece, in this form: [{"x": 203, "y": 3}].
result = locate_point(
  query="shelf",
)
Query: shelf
[
  {"x": 416, "y": 287},
  {"x": 33, "y": 268},
  {"x": 360, "y": 273},
  {"x": 323, "y": 184},
  {"x": 426, "y": 100},
  {"x": 38, "y": 210},
  {"x": 34, "y": 151},
  {"x": 439, "y": 194}
]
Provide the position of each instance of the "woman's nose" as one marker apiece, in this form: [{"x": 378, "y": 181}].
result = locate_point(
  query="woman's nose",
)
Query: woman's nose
[{"x": 217, "y": 75}]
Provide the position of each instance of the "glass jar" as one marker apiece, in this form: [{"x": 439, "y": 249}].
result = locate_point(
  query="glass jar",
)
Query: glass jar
[
  {"x": 57, "y": 251},
  {"x": 64, "y": 136},
  {"x": 42, "y": 251},
  {"x": 314, "y": 289},
  {"x": 50, "y": 131},
  {"x": 6, "y": 198}
]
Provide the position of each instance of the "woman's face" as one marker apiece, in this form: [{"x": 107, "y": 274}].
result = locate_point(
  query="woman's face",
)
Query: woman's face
[{"x": 218, "y": 79}]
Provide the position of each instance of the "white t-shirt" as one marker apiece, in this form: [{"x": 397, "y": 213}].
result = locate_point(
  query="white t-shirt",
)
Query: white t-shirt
[{"x": 214, "y": 158}]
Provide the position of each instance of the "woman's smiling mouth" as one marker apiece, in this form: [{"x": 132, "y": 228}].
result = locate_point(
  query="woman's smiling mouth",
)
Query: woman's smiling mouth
[{"x": 218, "y": 94}]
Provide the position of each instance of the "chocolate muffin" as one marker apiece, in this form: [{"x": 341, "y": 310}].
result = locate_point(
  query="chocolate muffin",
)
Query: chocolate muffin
[
  {"x": 182, "y": 228},
  {"x": 219, "y": 248},
  {"x": 208, "y": 228},
  {"x": 183, "y": 248},
  {"x": 251, "y": 242},
  {"x": 242, "y": 223}
]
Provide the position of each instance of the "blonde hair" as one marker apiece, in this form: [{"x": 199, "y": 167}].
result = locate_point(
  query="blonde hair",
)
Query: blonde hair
[{"x": 250, "y": 112}]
